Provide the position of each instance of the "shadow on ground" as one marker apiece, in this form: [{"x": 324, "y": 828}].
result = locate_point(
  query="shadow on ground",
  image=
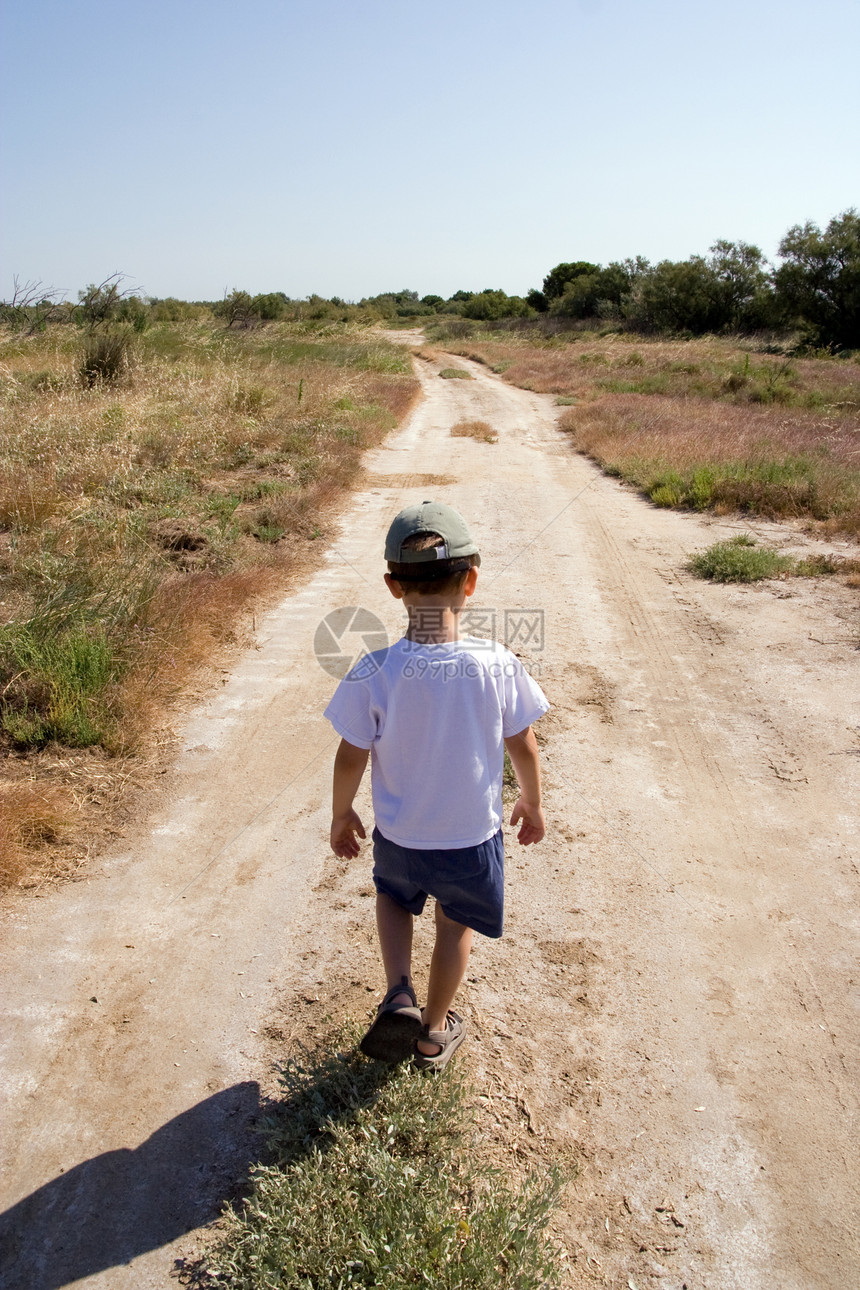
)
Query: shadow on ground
[{"x": 108, "y": 1210}]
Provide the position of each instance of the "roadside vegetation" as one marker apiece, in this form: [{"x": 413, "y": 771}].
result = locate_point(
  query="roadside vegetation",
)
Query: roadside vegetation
[
  {"x": 374, "y": 1180},
  {"x": 710, "y": 423},
  {"x": 742, "y": 559},
  {"x": 154, "y": 480}
]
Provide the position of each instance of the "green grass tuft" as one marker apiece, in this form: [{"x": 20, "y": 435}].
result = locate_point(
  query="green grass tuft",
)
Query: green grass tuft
[
  {"x": 455, "y": 374},
  {"x": 56, "y": 685},
  {"x": 376, "y": 1182},
  {"x": 740, "y": 560}
]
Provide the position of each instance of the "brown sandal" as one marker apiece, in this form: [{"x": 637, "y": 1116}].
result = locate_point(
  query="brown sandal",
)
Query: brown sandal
[
  {"x": 448, "y": 1039},
  {"x": 392, "y": 1036}
]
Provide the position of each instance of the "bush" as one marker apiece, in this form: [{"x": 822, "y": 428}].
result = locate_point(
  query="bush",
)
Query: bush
[
  {"x": 107, "y": 358},
  {"x": 740, "y": 560},
  {"x": 489, "y": 306}
]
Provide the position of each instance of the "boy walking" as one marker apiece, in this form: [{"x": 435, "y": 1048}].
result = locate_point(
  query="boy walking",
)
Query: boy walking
[{"x": 434, "y": 712}]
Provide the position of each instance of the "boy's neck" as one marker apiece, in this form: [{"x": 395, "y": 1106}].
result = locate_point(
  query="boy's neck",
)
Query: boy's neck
[{"x": 432, "y": 622}]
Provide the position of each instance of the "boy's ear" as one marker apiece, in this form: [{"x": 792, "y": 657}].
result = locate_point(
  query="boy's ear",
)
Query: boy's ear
[
  {"x": 393, "y": 586},
  {"x": 471, "y": 581}
]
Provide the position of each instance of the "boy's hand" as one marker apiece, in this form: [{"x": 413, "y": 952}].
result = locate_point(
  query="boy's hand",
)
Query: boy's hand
[
  {"x": 533, "y": 825},
  {"x": 344, "y": 828}
]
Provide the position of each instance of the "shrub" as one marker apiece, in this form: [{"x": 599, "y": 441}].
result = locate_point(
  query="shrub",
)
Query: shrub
[
  {"x": 455, "y": 374},
  {"x": 107, "y": 358},
  {"x": 489, "y": 305},
  {"x": 740, "y": 560}
]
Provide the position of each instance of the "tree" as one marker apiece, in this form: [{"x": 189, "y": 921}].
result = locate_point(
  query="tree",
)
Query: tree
[
  {"x": 270, "y": 306},
  {"x": 681, "y": 295},
  {"x": 744, "y": 285},
  {"x": 818, "y": 283},
  {"x": 601, "y": 293},
  {"x": 489, "y": 305},
  {"x": 99, "y": 303},
  {"x": 556, "y": 280},
  {"x": 238, "y": 308},
  {"x": 32, "y": 307}
]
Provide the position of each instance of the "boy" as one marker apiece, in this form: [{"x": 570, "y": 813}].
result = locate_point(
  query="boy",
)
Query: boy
[{"x": 435, "y": 711}]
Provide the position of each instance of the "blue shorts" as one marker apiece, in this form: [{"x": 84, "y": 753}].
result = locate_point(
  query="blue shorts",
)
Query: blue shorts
[{"x": 468, "y": 882}]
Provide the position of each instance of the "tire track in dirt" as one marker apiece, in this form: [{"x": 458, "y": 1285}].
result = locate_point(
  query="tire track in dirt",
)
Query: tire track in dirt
[{"x": 674, "y": 1004}]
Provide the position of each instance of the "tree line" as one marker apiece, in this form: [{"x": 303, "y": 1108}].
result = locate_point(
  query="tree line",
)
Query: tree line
[{"x": 813, "y": 292}]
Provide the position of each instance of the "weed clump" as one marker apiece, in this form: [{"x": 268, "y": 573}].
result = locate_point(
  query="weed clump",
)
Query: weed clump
[
  {"x": 56, "y": 686},
  {"x": 375, "y": 1182},
  {"x": 482, "y": 431},
  {"x": 739, "y": 560},
  {"x": 31, "y": 815},
  {"x": 107, "y": 358},
  {"x": 455, "y": 374}
]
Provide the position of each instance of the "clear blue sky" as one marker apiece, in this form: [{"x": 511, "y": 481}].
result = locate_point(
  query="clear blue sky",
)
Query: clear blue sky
[{"x": 355, "y": 146}]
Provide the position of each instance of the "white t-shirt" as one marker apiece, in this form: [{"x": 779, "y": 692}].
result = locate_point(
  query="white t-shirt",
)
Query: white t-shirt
[{"x": 435, "y": 718}]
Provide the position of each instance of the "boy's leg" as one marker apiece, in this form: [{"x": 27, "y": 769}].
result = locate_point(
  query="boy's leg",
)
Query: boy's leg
[
  {"x": 447, "y": 969},
  {"x": 394, "y": 925},
  {"x": 397, "y": 1024}
]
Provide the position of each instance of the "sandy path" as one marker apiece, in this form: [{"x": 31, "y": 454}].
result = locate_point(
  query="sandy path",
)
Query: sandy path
[{"x": 675, "y": 1000}]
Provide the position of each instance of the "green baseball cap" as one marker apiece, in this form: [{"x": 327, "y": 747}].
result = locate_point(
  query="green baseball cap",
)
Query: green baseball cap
[{"x": 429, "y": 517}]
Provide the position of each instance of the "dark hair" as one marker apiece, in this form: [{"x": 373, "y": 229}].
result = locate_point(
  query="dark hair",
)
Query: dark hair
[{"x": 435, "y": 577}]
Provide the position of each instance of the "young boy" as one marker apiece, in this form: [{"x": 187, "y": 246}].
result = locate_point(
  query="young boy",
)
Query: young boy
[{"x": 435, "y": 711}]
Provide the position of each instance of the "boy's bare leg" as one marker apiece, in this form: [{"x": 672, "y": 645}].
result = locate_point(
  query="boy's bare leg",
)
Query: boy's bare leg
[
  {"x": 447, "y": 969},
  {"x": 394, "y": 925}
]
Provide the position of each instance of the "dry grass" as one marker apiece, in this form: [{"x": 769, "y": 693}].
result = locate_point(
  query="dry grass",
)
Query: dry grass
[
  {"x": 712, "y": 455},
  {"x": 139, "y": 521},
  {"x": 703, "y": 423},
  {"x": 32, "y": 815},
  {"x": 585, "y": 365},
  {"x": 480, "y": 430}
]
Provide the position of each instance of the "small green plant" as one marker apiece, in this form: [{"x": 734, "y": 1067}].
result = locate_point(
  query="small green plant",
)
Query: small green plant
[
  {"x": 56, "y": 685},
  {"x": 565, "y": 401},
  {"x": 667, "y": 489},
  {"x": 377, "y": 1182},
  {"x": 455, "y": 374},
  {"x": 268, "y": 532},
  {"x": 740, "y": 559}
]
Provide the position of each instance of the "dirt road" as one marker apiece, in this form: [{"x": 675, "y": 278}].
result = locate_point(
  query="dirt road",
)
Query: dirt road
[{"x": 674, "y": 1004}]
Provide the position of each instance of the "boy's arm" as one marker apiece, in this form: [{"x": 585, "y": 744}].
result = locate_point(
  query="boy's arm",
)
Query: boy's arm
[
  {"x": 523, "y": 752},
  {"x": 349, "y": 764}
]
